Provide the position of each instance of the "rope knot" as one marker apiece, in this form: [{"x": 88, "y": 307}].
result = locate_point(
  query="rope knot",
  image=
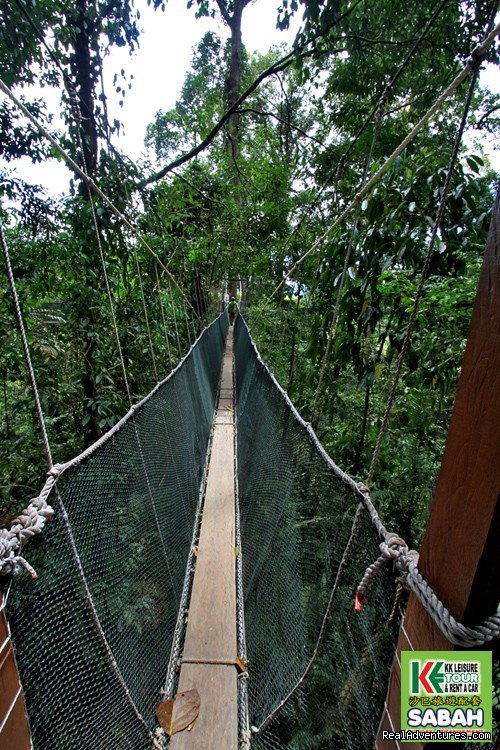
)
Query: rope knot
[
  {"x": 10, "y": 566},
  {"x": 393, "y": 549},
  {"x": 30, "y": 522}
]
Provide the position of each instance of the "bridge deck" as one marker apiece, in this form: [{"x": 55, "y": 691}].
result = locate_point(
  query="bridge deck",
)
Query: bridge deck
[{"x": 211, "y": 627}]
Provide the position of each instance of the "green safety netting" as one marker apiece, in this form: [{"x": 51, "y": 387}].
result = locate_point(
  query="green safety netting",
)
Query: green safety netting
[{"x": 94, "y": 633}]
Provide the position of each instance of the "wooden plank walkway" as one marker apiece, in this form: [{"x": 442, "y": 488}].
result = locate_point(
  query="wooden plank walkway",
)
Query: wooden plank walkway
[{"x": 211, "y": 627}]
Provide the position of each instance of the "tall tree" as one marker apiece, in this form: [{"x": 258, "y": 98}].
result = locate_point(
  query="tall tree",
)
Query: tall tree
[{"x": 231, "y": 12}]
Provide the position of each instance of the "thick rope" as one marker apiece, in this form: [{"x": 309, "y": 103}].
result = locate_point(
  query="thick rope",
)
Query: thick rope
[
  {"x": 392, "y": 548},
  {"x": 32, "y": 520},
  {"x": 13, "y": 539},
  {"x": 477, "y": 56},
  {"x": 29, "y": 523}
]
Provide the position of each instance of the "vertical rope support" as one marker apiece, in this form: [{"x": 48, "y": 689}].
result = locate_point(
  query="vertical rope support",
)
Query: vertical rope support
[
  {"x": 172, "y": 302},
  {"x": 111, "y": 305},
  {"x": 26, "y": 350},
  {"x": 423, "y": 276},
  {"x": 76, "y": 112},
  {"x": 186, "y": 318},
  {"x": 110, "y": 300},
  {"x": 95, "y": 617},
  {"x": 146, "y": 316},
  {"x": 162, "y": 309},
  {"x": 350, "y": 247},
  {"x": 478, "y": 55}
]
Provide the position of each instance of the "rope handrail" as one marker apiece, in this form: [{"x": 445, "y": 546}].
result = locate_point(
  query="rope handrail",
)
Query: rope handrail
[
  {"x": 32, "y": 520},
  {"x": 392, "y": 548}
]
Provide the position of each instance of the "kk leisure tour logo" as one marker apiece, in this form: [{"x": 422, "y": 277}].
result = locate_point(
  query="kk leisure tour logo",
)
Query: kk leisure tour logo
[{"x": 446, "y": 696}]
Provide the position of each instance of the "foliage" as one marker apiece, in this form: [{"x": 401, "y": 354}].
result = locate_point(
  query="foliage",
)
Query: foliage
[{"x": 243, "y": 213}]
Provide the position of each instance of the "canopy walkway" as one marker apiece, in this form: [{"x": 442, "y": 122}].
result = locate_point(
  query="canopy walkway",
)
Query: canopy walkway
[
  {"x": 115, "y": 611},
  {"x": 95, "y": 631},
  {"x": 207, "y": 547}
]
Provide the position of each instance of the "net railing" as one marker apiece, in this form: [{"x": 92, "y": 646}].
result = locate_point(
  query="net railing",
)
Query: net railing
[
  {"x": 94, "y": 632},
  {"x": 297, "y": 511}
]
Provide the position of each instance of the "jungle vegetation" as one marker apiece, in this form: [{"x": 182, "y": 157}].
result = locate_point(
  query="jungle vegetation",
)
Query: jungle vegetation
[{"x": 254, "y": 162}]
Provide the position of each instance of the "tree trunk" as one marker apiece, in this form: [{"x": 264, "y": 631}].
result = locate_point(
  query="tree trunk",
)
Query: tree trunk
[
  {"x": 81, "y": 67},
  {"x": 82, "y": 70},
  {"x": 233, "y": 82}
]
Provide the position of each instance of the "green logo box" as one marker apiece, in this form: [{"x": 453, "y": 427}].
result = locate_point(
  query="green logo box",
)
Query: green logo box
[{"x": 446, "y": 694}]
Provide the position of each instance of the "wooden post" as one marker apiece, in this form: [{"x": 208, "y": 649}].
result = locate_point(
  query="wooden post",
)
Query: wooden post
[
  {"x": 14, "y": 727},
  {"x": 460, "y": 551},
  {"x": 210, "y": 648}
]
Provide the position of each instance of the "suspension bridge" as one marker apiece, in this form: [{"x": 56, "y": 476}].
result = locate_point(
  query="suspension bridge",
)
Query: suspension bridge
[{"x": 205, "y": 576}]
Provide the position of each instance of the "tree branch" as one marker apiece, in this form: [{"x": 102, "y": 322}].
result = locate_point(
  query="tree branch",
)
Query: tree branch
[
  {"x": 224, "y": 13},
  {"x": 108, "y": 8},
  {"x": 263, "y": 113},
  {"x": 484, "y": 117},
  {"x": 277, "y": 67}
]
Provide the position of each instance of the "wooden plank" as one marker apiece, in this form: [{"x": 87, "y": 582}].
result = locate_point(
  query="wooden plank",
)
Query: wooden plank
[
  {"x": 227, "y": 382},
  {"x": 459, "y": 555},
  {"x": 14, "y": 726},
  {"x": 224, "y": 418},
  {"x": 15, "y": 734},
  {"x": 9, "y": 679},
  {"x": 216, "y": 727},
  {"x": 211, "y": 630},
  {"x": 211, "y": 627}
]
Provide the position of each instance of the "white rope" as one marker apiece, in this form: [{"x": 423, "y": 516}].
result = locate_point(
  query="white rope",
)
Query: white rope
[
  {"x": 162, "y": 309},
  {"x": 29, "y": 523},
  {"x": 477, "y": 56},
  {"x": 394, "y": 549},
  {"x": 25, "y": 345},
  {"x": 32, "y": 520}
]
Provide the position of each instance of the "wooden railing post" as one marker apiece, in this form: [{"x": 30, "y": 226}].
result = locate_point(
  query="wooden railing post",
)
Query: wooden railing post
[
  {"x": 459, "y": 555},
  {"x": 14, "y": 727}
]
